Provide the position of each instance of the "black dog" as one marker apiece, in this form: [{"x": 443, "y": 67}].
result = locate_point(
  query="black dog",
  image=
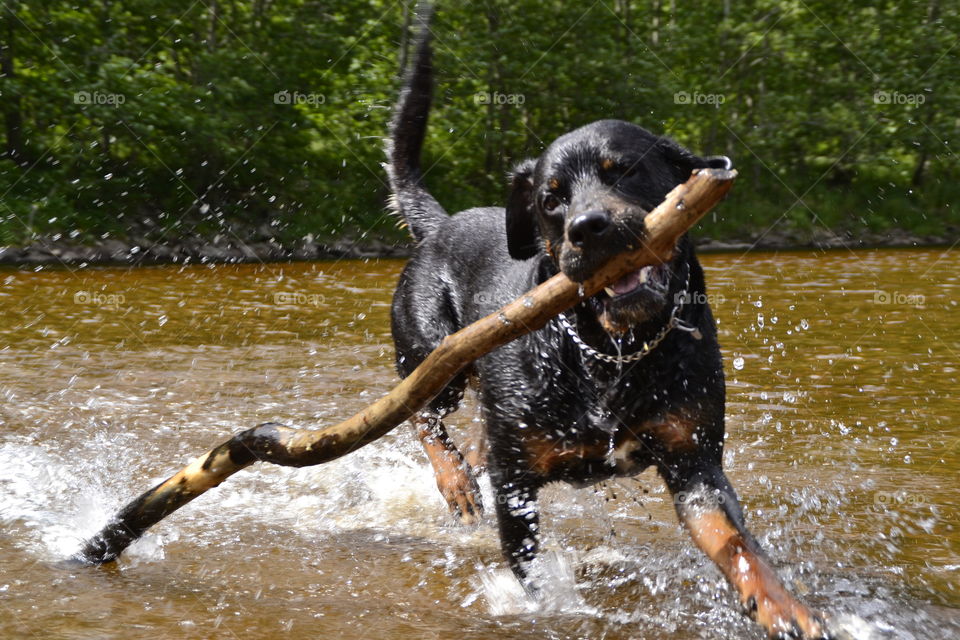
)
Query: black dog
[{"x": 627, "y": 379}]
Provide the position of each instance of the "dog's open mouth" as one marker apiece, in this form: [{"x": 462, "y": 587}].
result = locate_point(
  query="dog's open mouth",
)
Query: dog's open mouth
[
  {"x": 654, "y": 278},
  {"x": 633, "y": 298}
]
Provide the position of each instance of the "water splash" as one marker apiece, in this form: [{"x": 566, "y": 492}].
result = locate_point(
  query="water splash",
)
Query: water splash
[{"x": 504, "y": 596}]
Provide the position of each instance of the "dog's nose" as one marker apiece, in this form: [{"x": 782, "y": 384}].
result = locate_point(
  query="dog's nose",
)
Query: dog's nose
[{"x": 588, "y": 226}]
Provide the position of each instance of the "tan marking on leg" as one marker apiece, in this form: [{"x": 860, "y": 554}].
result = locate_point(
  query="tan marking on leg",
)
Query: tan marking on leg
[
  {"x": 761, "y": 592},
  {"x": 453, "y": 474}
]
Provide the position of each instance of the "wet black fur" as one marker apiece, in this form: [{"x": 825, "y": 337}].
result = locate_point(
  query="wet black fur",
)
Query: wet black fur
[{"x": 540, "y": 386}]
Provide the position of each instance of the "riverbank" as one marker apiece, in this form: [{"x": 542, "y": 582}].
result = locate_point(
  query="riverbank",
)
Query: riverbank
[
  {"x": 134, "y": 252},
  {"x": 141, "y": 252}
]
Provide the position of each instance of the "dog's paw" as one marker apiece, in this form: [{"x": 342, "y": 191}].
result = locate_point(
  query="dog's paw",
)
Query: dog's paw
[
  {"x": 459, "y": 488},
  {"x": 785, "y": 617}
]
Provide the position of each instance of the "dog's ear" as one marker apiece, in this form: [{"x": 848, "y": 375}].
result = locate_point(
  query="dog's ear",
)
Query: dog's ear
[
  {"x": 685, "y": 162},
  {"x": 682, "y": 161},
  {"x": 523, "y": 233}
]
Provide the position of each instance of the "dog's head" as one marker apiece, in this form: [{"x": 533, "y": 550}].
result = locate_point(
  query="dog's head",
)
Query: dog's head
[{"x": 584, "y": 201}]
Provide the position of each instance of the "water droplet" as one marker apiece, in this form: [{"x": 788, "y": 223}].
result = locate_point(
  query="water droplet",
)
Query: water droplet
[{"x": 738, "y": 363}]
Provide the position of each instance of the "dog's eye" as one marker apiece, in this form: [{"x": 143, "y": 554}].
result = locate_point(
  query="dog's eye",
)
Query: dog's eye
[{"x": 551, "y": 202}]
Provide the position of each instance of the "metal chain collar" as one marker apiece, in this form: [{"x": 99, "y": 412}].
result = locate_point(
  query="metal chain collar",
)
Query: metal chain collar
[{"x": 673, "y": 322}]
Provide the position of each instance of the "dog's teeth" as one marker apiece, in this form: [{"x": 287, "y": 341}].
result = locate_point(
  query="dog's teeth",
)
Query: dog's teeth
[
  {"x": 643, "y": 275},
  {"x": 610, "y": 292}
]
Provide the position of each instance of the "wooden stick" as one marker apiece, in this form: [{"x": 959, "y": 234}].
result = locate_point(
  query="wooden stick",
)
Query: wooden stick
[{"x": 278, "y": 444}]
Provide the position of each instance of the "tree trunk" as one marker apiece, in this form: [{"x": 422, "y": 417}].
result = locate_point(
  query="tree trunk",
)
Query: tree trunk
[
  {"x": 492, "y": 151},
  {"x": 214, "y": 10},
  {"x": 405, "y": 39},
  {"x": 655, "y": 23},
  {"x": 623, "y": 9},
  {"x": 12, "y": 113},
  {"x": 923, "y": 155}
]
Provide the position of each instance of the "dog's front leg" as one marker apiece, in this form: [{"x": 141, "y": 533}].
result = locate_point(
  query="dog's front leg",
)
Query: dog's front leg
[
  {"x": 455, "y": 477},
  {"x": 519, "y": 523},
  {"x": 707, "y": 506}
]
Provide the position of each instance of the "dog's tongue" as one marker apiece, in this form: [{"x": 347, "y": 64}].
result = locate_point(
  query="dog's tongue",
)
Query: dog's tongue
[{"x": 627, "y": 283}]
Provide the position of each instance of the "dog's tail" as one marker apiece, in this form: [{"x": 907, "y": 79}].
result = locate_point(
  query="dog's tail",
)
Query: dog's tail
[{"x": 409, "y": 198}]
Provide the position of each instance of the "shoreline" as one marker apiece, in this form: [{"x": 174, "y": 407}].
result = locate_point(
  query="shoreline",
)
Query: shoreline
[{"x": 139, "y": 252}]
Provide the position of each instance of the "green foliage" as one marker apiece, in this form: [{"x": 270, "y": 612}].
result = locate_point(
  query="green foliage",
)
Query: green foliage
[{"x": 266, "y": 118}]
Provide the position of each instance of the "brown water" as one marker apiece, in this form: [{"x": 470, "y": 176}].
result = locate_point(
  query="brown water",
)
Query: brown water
[{"x": 843, "y": 443}]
